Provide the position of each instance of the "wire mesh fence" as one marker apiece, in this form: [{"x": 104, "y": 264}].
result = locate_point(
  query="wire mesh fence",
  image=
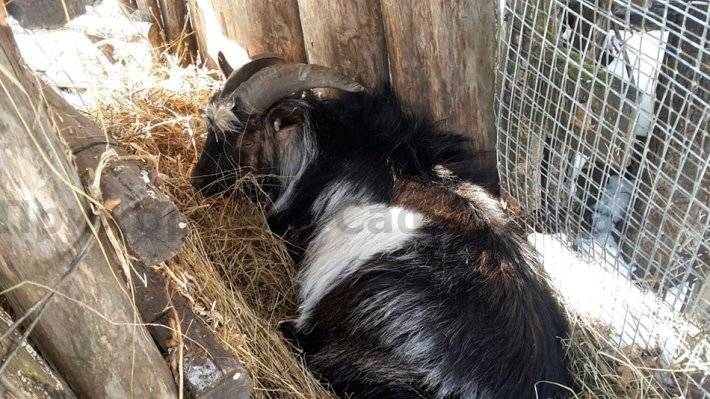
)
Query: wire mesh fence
[{"x": 602, "y": 117}]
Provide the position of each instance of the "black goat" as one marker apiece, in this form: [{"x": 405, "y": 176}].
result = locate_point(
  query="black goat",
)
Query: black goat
[{"x": 413, "y": 283}]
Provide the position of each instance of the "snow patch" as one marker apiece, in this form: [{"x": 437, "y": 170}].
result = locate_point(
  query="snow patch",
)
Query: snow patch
[
  {"x": 592, "y": 287},
  {"x": 202, "y": 376}
]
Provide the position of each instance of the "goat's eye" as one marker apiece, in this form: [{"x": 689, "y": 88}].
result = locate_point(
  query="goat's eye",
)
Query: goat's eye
[{"x": 247, "y": 144}]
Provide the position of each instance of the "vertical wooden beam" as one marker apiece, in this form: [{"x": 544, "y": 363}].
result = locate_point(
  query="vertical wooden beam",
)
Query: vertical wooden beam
[
  {"x": 201, "y": 31},
  {"x": 170, "y": 17},
  {"x": 89, "y": 331},
  {"x": 442, "y": 59},
  {"x": 263, "y": 26},
  {"x": 347, "y": 36},
  {"x": 173, "y": 13},
  {"x": 243, "y": 28}
]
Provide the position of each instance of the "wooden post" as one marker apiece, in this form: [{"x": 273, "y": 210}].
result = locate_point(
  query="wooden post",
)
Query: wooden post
[
  {"x": 177, "y": 29},
  {"x": 257, "y": 26},
  {"x": 173, "y": 13},
  {"x": 88, "y": 332},
  {"x": 347, "y": 36},
  {"x": 442, "y": 58}
]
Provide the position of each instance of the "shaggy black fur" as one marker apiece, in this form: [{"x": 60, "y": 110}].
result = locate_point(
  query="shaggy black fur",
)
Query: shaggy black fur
[
  {"x": 369, "y": 139},
  {"x": 456, "y": 313}
]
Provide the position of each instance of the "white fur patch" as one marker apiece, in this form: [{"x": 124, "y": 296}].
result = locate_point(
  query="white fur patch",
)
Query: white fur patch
[
  {"x": 478, "y": 196},
  {"x": 443, "y": 172},
  {"x": 482, "y": 199},
  {"x": 337, "y": 195},
  {"x": 221, "y": 115},
  {"x": 350, "y": 238}
]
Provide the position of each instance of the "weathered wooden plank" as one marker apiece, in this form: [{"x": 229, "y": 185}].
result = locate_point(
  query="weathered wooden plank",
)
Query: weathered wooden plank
[
  {"x": 202, "y": 32},
  {"x": 175, "y": 31},
  {"x": 173, "y": 14},
  {"x": 209, "y": 370},
  {"x": 347, "y": 36},
  {"x": 257, "y": 26},
  {"x": 264, "y": 26},
  {"x": 101, "y": 353},
  {"x": 442, "y": 58},
  {"x": 27, "y": 376}
]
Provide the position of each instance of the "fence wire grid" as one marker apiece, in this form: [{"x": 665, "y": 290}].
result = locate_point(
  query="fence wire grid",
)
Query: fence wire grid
[{"x": 602, "y": 118}]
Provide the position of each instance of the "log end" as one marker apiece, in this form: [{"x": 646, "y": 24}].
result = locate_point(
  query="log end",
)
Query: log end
[{"x": 152, "y": 226}]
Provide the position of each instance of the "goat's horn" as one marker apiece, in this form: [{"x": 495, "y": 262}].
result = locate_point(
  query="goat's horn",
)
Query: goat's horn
[
  {"x": 272, "y": 84},
  {"x": 243, "y": 74}
]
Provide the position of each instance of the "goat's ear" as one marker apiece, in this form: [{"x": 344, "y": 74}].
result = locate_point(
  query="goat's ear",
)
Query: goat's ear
[
  {"x": 224, "y": 65},
  {"x": 285, "y": 121},
  {"x": 288, "y": 133}
]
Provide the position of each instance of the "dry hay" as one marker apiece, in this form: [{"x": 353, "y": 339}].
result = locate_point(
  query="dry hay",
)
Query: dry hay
[
  {"x": 239, "y": 277},
  {"x": 236, "y": 274},
  {"x": 602, "y": 370}
]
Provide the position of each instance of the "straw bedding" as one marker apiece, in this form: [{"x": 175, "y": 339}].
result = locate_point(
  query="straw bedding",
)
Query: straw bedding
[
  {"x": 238, "y": 276},
  {"x": 235, "y": 273}
]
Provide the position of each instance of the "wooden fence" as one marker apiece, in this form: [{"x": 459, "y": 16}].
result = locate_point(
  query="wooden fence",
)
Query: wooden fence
[{"x": 439, "y": 56}]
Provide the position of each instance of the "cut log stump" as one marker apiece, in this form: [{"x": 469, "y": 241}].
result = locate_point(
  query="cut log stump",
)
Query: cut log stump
[{"x": 150, "y": 223}]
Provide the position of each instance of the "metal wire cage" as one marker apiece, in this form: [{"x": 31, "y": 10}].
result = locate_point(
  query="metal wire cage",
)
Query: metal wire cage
[{"x": 602, "y": 118}]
